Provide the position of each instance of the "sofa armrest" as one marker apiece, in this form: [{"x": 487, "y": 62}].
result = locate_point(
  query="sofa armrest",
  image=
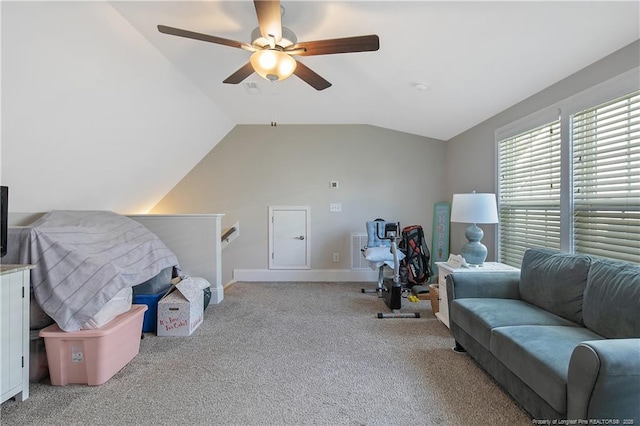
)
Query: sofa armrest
[
  {"x": 604, "y": 381},
  {"x": 499, "y": 285}
]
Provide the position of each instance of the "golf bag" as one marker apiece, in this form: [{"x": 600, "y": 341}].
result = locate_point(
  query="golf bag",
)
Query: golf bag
[{"x": 417, "y": 262}]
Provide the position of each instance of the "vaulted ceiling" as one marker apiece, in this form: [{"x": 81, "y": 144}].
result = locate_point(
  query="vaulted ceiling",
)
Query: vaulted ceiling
[
  {"x": 471, "y": 59},
  {"x": 96, "y": 98}
]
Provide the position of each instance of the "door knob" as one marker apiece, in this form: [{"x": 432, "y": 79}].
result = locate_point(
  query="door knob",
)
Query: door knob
[{"x": 301, "y": 237}]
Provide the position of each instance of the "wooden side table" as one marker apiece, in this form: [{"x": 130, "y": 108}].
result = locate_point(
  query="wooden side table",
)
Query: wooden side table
[{"x": 444, "y": 269}]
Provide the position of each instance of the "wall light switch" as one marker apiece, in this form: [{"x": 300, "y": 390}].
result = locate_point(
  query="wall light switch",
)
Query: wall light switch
[{"x": 335, "y": 207}]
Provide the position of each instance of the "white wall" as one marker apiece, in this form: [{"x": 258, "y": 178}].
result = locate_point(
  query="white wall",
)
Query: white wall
[
  {"x": 94, "y": 117},
  {"x": 381, "y": 173},
  {"x": 471, "y": 156}
]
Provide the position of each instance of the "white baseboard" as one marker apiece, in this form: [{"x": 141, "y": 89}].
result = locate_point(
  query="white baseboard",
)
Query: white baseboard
[
  {"x": 229, "y": 284},
  {"x": 325, "y": 275}
]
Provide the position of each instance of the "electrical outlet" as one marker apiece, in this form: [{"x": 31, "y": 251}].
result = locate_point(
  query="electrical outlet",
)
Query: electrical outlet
[
  {"x": 335, "y": 207},
  {"x": 336, "y": 257}
]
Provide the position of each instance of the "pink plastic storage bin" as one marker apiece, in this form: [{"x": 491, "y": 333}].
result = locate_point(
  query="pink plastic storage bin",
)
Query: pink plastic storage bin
[{"x": 93, "y": 356}]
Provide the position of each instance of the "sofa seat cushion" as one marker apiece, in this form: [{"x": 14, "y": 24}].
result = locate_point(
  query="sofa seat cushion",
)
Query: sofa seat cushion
[
  {"x": 539, "y": 356},
  {"x": 478, "y": 316}
]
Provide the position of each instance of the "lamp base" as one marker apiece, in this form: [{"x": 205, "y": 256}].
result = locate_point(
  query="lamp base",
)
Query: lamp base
[{"x": 474, "y": 252}]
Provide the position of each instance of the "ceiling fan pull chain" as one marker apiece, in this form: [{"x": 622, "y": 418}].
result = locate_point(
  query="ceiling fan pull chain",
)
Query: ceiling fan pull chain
[{"x": 273, "y": 104}]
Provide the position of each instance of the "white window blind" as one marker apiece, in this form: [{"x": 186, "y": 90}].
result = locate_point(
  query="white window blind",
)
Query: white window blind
[
  {"x": 606, "y": 179},
  {"x": 529, "y": 192}
]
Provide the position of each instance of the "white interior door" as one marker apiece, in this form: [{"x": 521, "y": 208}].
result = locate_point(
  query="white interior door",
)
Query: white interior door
[{"x": 289, "y": 238}]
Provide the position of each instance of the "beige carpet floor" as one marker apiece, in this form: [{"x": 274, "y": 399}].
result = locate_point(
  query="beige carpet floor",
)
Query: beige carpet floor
[{"x": 287, "y": 353}]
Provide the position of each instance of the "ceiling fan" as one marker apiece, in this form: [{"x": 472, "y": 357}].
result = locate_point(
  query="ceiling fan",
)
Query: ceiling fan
[{"x": 274, "y": 46}]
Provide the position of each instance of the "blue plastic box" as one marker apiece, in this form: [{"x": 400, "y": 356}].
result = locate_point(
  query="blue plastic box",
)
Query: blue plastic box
[
  {"x": 152, "y": 286},
  {"x": 149, "y": 323}
]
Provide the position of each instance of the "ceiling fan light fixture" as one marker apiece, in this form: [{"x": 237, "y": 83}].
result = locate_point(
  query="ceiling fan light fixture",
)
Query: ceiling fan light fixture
[
  {"x": 273, "y": 47},
  {"x": 272, "y": 64}
]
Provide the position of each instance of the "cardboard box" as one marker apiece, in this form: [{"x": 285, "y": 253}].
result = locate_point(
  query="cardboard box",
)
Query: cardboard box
[{"x": 181, "y": 309}]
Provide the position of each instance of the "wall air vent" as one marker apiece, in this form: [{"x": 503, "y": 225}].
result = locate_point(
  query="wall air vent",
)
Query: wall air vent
[{"x": 358, "y": 242}]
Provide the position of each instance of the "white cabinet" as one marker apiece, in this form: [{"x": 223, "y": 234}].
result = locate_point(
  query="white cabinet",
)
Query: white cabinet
[
  {"x": 444, "y": 269},
  {"x": 14, "y": 331}
]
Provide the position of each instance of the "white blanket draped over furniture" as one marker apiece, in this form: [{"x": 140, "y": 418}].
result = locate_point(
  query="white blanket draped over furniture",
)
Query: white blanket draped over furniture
[{"x": 83, "y": 258}]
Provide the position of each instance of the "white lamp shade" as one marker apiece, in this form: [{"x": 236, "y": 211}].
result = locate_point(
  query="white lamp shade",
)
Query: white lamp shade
[
  {"x": 474, "y": 208},
  {"x": 273, "y": 64}
]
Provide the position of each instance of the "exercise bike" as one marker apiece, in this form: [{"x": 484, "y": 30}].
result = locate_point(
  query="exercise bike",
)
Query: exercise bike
[{"x": 390, "y": 289}]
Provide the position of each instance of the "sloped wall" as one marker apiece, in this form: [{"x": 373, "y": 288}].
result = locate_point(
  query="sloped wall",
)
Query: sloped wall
[
  {"x": 381, "y": 173},
  {"x": 94, "y": 117},
  {"x": 471, "y": 156}
]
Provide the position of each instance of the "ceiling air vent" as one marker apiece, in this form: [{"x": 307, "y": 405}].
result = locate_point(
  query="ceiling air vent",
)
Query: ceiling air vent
[{"x": 252, "y": 87}]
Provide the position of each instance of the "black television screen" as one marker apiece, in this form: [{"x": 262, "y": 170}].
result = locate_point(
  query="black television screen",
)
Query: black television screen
[{"x": 4, "y": 210}]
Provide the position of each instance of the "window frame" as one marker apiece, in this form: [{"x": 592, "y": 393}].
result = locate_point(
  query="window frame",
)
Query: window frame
[
  {"x": 530, "y": 204},
  {"x": 603, "y": 92}
]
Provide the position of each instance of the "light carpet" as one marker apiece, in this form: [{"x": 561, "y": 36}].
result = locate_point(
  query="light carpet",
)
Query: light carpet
[{"x": 287, "y": 353}]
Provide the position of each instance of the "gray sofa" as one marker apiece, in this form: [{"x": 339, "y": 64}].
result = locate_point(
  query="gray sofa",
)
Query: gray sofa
[{"x": 562, "y": 337}]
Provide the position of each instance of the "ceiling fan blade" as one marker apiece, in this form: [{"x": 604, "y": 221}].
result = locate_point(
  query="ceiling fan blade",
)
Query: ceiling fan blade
[
  {"x": 203, "y": 37},
  {"x": 241, "y": 74},
  {"x": 311, "y": 77},
  {"x": 367, "y": 43},
  {"x": 269, "y": 19}
]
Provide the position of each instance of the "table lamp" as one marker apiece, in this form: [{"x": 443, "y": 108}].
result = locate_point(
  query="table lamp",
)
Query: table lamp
[{"x": 474, "y": 208}]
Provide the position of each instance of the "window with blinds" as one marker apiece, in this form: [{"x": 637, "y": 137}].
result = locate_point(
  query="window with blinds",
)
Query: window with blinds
[
  {"x": 606, "y": 179},
  {"x": 529, "y": 192}
]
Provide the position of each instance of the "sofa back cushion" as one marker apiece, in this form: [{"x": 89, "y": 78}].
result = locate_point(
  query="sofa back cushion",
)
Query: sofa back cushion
[
  {"x": 611, "y": 305},
  {"x": 555, "y": 281}
]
